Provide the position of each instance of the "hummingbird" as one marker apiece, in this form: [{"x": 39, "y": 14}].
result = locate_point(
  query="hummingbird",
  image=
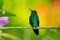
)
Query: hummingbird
[{"x": 34, "y": 21}]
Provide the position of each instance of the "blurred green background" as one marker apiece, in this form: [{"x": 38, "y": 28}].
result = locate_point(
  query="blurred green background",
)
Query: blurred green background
[{"x": 20, "y": 8}]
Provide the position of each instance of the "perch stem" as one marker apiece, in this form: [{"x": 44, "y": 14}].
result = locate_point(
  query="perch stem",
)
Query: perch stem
[{"x": 19, "y": 27}]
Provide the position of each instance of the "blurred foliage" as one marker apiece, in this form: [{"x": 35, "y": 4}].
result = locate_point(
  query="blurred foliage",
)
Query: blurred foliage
[
  {"x": 52, "y": 34},
  {"x": 20, "y": 8},
  {"x": 1, "y": 38},
  {"x": 1, "y": 4},
  {"x": 9, "y": 14}
]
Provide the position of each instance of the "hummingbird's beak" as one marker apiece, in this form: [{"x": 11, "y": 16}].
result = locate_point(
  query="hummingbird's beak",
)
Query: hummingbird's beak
[{"x": 30, "y": 9}]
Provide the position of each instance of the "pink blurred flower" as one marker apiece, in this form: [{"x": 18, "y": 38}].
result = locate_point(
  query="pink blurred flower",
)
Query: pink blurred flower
[{"x": 4, "y": 21}]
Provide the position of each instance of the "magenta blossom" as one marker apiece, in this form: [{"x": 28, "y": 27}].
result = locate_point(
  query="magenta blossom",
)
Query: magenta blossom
[{"x": 4, "y": 21}]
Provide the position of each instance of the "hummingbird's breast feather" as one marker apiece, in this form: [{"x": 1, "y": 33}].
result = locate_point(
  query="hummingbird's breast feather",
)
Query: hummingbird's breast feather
[{"x": 34, "y": 20}]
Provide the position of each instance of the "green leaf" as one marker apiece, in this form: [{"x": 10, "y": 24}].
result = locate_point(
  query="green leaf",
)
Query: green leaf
[
  {"x": 7, "y": 13},
  {"x": 1, "y": 4}
]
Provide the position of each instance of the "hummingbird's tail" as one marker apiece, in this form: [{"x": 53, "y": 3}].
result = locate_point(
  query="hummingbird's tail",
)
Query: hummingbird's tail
[{"x": 36, "y": 31}]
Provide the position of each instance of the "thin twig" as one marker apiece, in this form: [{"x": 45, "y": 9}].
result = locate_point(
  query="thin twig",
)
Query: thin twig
[{"x": 19, "y": 27}]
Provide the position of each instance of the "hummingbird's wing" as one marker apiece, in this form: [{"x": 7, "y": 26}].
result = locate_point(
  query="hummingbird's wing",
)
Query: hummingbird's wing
[
  {"x": 37, "y": 21},
  {"x": 30, "y": 20}
]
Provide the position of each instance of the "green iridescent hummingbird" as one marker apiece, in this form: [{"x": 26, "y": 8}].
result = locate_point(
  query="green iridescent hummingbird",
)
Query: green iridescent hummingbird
[{"x": 34, "y": 21}]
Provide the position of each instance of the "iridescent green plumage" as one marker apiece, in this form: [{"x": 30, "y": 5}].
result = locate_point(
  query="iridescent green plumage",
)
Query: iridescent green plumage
[{"x": 34, "y": 21}]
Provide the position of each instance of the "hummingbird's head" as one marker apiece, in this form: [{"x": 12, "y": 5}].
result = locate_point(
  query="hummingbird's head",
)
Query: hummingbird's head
[{"x": 33, "y": 11}]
